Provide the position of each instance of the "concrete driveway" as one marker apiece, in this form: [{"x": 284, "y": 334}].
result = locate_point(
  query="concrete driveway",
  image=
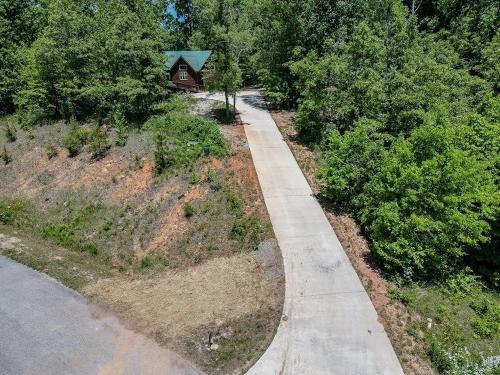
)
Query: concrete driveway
[
  {"x": 329, "y": 325},
  {"x": 46, "y": 328}
]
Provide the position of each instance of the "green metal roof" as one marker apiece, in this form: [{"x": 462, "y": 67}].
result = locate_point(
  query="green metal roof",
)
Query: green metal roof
[{"x": 196, "y": 59}]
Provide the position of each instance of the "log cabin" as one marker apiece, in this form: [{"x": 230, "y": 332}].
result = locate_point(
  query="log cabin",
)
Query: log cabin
[{"x": 185, "y": 68}]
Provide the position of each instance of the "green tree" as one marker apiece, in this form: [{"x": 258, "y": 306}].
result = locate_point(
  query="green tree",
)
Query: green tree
[
  {"x": 430, "y": 204},
  {"x": 222, "y": 72},
  {"x": 93, "y": 56},
  {"x": 20, "y": 22}
]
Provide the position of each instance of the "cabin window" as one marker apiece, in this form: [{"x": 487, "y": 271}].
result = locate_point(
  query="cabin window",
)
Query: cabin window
[
  {"x": 183, "y": 67},
  {"x": 183, "y": 75}
]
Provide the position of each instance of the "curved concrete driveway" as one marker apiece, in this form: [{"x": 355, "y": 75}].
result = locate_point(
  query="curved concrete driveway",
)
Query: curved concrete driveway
[
  {"x": 330, "y": 325},
  {"x": 46, "y": 328}
]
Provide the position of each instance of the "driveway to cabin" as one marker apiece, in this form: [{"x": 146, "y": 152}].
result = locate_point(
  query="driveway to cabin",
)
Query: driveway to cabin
[
  {"x": 329, "y": 324},
  {"x": 46, "y": 328}
]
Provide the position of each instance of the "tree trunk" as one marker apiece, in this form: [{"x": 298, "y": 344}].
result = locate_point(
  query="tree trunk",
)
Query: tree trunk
[
  {"x": 227, "y": 103},
  {"x": 234, "y": 103}
]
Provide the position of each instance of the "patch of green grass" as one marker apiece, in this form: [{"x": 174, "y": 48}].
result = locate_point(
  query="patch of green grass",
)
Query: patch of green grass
[
  {"x": 69, "y": 230},
  {"x": 461, "y": 320},
  {"x": 214, "y": 179},
  {"x": 6, "y": 157},
  {"x": 10, "y": 210},
  {"x": 73, "y": 269},
  {"x": 181, "y": 137},
  {"x": 235, "y": 203},
  {"x": 407, "y": 296},
  {"x": 152, "y": 264},
  {"x": 64, "y": 235}
]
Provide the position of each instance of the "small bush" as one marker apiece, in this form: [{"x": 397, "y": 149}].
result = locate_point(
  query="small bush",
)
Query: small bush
[
  {"x": 214, "y": 179},
  {"x": 487, "y": 322},
  {"x": 10, "y": 133},
  {"x": 407, "y": 297},
  {"x": 162, "y": 159},
  {"x": 181, "y": 138},
  {"x": 99, "y": 143},
  {"x": 233, "y": 200},
  {"x": 75, "y": 140},
  {"x": 120, "y": 124},
  {"x": 146, "y": 262},
  {"x": 137, "y": 163},
  {"x": 178, "y": 103},
  {"x": 10, "y": 210},
  {"x": 29, "y": 117},
  {"x": 246, "y": 228},
  {"x": 194, "y": 179},
  {"x": 464, "y": 284},
  {"x": 51, "y": 151},
  {"x": 5, "y": 156},
  {"x": 188, "y": 210}
]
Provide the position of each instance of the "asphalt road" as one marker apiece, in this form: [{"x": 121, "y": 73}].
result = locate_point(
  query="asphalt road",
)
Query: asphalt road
[
  {"x": 330, "y": 325},
  {"x": 46, "y": 328}
]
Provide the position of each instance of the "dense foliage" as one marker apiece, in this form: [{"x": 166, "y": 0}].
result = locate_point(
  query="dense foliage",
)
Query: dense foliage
[
  {"x": 20, "y": 22},
  {"x": 88, "y": 59},
  {"x": 403, "y": 101}
]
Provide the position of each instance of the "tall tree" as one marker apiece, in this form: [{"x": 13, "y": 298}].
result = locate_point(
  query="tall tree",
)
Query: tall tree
[
  {"x": 20, "y": 22},
  {"x": 222, "y": 72},
  {"x": 93, "y": 56}
]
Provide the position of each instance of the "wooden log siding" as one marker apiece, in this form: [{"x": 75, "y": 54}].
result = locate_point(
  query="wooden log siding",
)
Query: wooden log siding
[{"x": 194, "y": 80}]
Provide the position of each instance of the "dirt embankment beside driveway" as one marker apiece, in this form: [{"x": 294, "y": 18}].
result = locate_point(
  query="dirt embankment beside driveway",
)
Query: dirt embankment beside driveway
[{"x": 188, "y": 258}]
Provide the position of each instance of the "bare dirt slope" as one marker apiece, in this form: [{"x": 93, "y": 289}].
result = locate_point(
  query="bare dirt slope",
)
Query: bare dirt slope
[{"x": 192, "y": 282}]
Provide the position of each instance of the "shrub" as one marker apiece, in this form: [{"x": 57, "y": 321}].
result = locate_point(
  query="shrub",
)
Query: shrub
[
  {"x": 178, "y": 103},
  {"x": 30, "y": 116},
  {"x": 98, "y": 143},
  {"x": 10, "y": 210},
  {"x": 75, "y": 140},
  {"x": 51, "y": 151},
  {"x": 5, "y": 156},
  {"x": 213, "y": 179},
  {"x": 351, "y": 160},
  {"x": 120, "y": 124},
  {"x": 406, "y": 297},
  {"x": 246, "y": 227},
  {"x": 428, "y": 207},
  {"x": 487, "y": 322},
  {"x": 137, "y": 163},
  {"x": 162, "y": 160},
  {"x": 234, "y": 201},
  {"x": 10, "y": 133},
  {"x": 188, "y": 210},
  {"x": 181, "y": 138}
]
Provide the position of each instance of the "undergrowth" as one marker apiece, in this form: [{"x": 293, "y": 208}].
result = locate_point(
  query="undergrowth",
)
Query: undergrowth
[{"x": 459, "y": 324}]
